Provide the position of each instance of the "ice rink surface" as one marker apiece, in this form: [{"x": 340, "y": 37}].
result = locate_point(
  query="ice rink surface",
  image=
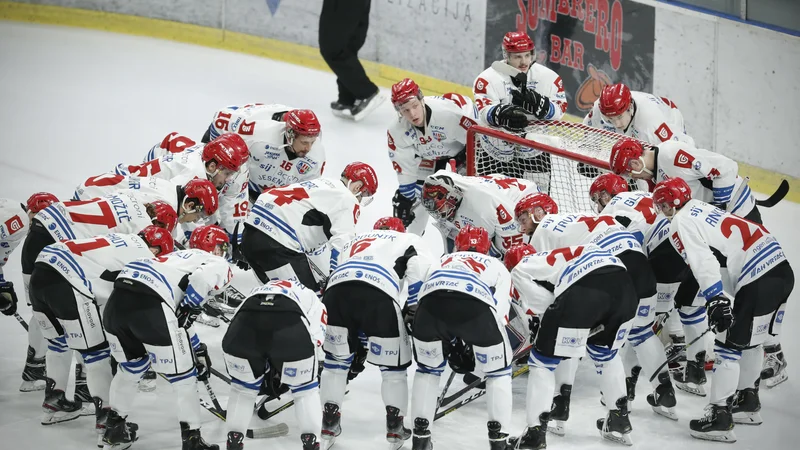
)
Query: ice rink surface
[{"x": 74, "y": 103}]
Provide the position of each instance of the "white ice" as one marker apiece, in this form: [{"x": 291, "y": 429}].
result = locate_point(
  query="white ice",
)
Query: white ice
[{"x": 76, "y": 102}]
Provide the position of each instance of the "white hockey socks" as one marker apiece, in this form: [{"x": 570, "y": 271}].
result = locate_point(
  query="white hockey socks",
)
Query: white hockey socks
[
  {"x": 565, "y": 373},
  {"x": 629, "y": 359},
  {"x": 186, "y": 397},
  {"x": 98, "y": 373},
  {"x": 498, "y": 396},
  {"x": 333, "y": 381},
  {"x": 36, "y": 340},
  {"x": 59, "y": 361},
  {"x": 651, "y": 356},
  {"x": 125, "y": 385},
  {"x": 394, "y": 388},
  {"x": 425, "y": 392},
  {"x": 772, "y": 341},
  {"x": 240, "y": 408},
  {"x": 541, "y": 384},
  {"x": 307, "y": 408},
  {"x": 750, "y": 367},
  {"x": 694, "y": 323},
  {"x": 612, "y": 375},
  {"x": 725, "y": 377}
]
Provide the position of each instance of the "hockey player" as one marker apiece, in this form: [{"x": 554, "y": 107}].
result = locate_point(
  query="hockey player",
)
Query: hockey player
[
  {"x": 287, "y": 223},
  {"x": 639, "y": 115},
  {"x": 272, "y": 340},
  {"x": 284, "y": 143},
  {"x": 744, "y": 307},
  {"x": 454, "y": 201},
  {"x": 148, "y": 320},
  {"x": 538, "y": 217},
  {"x": 713, "y": 178},
  {"x": 568, "y": 291},
  {"x": 461, "y": 314},
  {"x": 14, "y": 226},
  {"x": 428, "y": 133},
  {"x": 70, "y": 284},
  {"x": 363, "y": 295}
]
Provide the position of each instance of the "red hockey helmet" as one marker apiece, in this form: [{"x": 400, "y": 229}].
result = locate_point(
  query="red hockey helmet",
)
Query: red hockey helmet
[
  {"x": 363, "y": 172},
  {"x": 615, "y": 99},
  {"x": 390, "y": 223},
  {"x": 622, "y": 153},
  {"x": 40, "y": 201},
  {"x": 404, "y": 91},
  {"x": 673, "y": 192},
  {"x": 205, "y": 194},
  {"x": 529, "y": 203},
  {"x": 472, "y": 239},
  {"x": 441, "y": 197},
  {"x": 164, "y": 214},
  {"x": 517, "y": 42},
  {"x": 208, "y": 237},
  {"x": 302, "y": 122},
  {"x": 226, "y": 151},
  {"x": 515, "y": 254},
  {"x": 155, "y": 236},
  {"x": 608, "y": 182}
]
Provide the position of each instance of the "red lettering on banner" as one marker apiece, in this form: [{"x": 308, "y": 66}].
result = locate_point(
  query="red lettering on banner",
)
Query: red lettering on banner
[
  {"x": 601, "y": 41},
  {"x": 577, "y": 10},
  {"x": 589, "y": 23},
  {"x": 616, "y": 35},
  {"x": 555, "y": 49},
  {"x": 563, "y": 7}
]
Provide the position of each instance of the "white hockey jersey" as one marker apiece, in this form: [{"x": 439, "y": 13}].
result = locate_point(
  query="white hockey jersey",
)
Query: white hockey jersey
[
  {"x": 304, "y": 216},
  {"x": 494, "y": 88},
  {"x": 91, "y": 265},
  {"x": 565, "y": 230},
  {"x": 122, "y": 213},
  {"x": 182, "y": 277},
  {"x": 385, "y": 259},
  {"x": 540, "y": 278},
  {"x": 699, "y": 231},
  {"x": 655, "y": 120},
  {"x": 14, "y": 226},
  {"x": 638, "y": 208},
  {"x": 480, "y": 276},
  {"x": 414, "y": 151},
  {"x": 262, "y": 128},
  {"x": 149, "y": 189}
]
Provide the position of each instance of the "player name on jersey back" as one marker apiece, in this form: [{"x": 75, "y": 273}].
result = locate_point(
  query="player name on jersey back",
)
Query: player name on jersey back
[{"x": 121, "y": 213}]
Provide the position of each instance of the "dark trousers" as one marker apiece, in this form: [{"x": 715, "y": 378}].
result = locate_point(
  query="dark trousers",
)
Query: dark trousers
[{"x": 343, "y": 27}]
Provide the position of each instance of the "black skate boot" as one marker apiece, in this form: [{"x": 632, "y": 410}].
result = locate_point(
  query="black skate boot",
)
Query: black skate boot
[
  {"x": 774, "y": 372},
  {"x": 82, "y": 393},
  {"x": 331, "y": 424},
  {"x": 148, "y": 382},
  {"x": 536, "y": 437},
  {"x": 616, "y": 427},
  {"x": 677, "y": 346},
  {"x": 559, "y": 412},
  {"x": 746, "y": 407},
  {"x": 716, "y": 425},
  {"x": 193, "y": 441},
  {"x": 396, "y": 433},
  {"x": 693, "y": 378},
  {"x": 235, "y": 441},
  {"x": 363, "y": 106},
  {"x": 56, "y": 407},
  {"x": 663, "y": 398},
  {"x": 497, "y": 439},
  {"x": 340, "y": 109},
  {"x": 34, "y": 374},
  {"x": 101, "y": 417},
  {"x": 630, "y": 383},
  {"x": 119, "y": 434},
  {"x": 422, "y": 436},
  {"x": 309, "y": 441}
]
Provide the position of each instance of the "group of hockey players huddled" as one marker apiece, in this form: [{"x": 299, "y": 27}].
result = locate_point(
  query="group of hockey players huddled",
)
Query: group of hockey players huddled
[{"x": 120, "y": 273}]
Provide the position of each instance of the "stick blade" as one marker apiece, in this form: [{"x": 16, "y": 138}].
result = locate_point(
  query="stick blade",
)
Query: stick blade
[
  {"x": 776, "y": 197},
  {"x": 274, "y": 431}
]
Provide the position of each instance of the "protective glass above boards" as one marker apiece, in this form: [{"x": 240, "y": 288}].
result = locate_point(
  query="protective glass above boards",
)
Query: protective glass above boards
[{"x": 778, "y": 15}]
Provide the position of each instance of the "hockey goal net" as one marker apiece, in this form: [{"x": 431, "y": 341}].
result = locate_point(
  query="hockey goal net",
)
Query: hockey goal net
[{"x": 563, "y": 158}]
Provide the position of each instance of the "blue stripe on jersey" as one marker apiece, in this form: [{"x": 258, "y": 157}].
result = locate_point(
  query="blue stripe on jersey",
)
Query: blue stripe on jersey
[
  {"x": 192, "y": 297},
  {"x": 722, "y": 194},
  {"x": 212, "y": 132},
  {"x": 712, "y": 291},
  {"x": 70, "y": 260},
  {"x": 615, "y": 237},
  {"x": 142, "y": 267},
  {"x": 369, "y": 267},
  {"x": 639, "y": 237},
  {"x": 551, "y": 112},
  {"x": 60, "y": 220},
  {"x": 277, "y": 222},
  {"x": 334, "y": 259},
  {"x": 582, "y": 260},
  {"x": 254, "y": 187},
  {"x": 742, "y": 199},
  {"x": 462, "y": 276},
  {"x": 408, "y": 190},
  {"x": 763, "y": 254},
  {"x": 661, "y": 224},
  {"x": 413, "y": 292}
]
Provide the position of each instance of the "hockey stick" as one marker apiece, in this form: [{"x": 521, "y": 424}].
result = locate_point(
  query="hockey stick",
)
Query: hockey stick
[
  {"x": 262, "y": 412},
  {"x": 439, "y": 414},
  {"x": 21, "y": 321},
  {"x": 278, "y": 430},
  {"x": 441, "y": 398},
  {"x": 676, "y": 355},
  {"x": 214, "y": 312},
  {"x": 776, "y": 196}
]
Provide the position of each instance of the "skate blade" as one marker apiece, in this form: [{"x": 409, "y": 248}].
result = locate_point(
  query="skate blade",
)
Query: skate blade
[
  {"x": 395, "y": 445},
  {"x": 559, "y": 428},
  {"x": 613, "y": 436},
  {"x": 717, "y": 436},
  {"x": 87, "y": 409},
  {"x": 52, "y": 419},
  {"x": 325, "y": 444},
  {"x": 694, "y": 389},
  {"x": 32, "y": 386},
  {"x": 147, "y": 388},
  {"x": 212, "y": 322},
  {"x": 776, "y": 380},
  {"x": 669, "y": 413},
  {"x": 747, "y": 418},
  {"x": 341, "y": 114},
  {"x": 373, "y": 105}
]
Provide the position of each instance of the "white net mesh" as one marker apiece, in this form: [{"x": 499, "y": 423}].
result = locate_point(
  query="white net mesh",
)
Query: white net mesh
[{"x": 563, "y": 158}]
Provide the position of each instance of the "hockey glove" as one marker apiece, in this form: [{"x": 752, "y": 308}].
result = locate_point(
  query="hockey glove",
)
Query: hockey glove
[
  {"x": 533, "y": 324},
  {"x": 203, "y": 362},
  {"x": 531, "y": 101},
  {"x": 520, "y": 80},
  {"x": 403, "y": 208},
  {"x": 408, "y": 318},
  {"x": 8, "y": 298},
  {"x": 720, "y": 315},
  {"x": 187, "y": 314},
  {"x": 510, "y": 117},
  {"x": 358, "y": 363},
  {"x": 461, "y": 357},
  {"x": 721, "y": 205},
  {"x": 271, "y": 386}
]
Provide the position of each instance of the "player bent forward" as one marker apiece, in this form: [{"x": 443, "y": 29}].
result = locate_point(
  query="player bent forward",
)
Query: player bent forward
[
  {"x": 272, "y": 339},
  {"x": 758, "y": 283},
  {"x": 571, "y": 291},
  {"x": 148, "y": 319}
]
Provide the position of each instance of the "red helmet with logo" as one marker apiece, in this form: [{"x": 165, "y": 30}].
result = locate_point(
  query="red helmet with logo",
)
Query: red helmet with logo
[
  {"x": 205, "y": 194},
  {"x": 531, "y": 201},
  {"x": 226, "y": 151},
  {"x": 672, "y": 191},
  {"x": 390, "y": 223},
  {"x": 623, "y": 152},
  {"x": 302, "y": 122},
  {"x": 515, "y": 254},
  {"x": 615, "y": 99},
  {"x": 517, "y": 42},
  {"x": 441, "y": 197},
  {"x": 40, "y": 201},
  {"x": 608, "y": 182},
  {"x": 163, "y": 213},
  {"x": 363, "y": 172},
  {"x": 158, "y": 237},
  {"x": 472, "y": 239},
  {"x": 208, "y": 237},
  {"x": 404, "y": 91}
]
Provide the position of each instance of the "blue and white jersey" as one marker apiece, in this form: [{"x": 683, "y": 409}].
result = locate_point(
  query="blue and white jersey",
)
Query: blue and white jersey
[
  {"x": 701, "y": 233},
  {"x": 14, "y": 226},
  {"x": 182, "y": 277},
  {"x": 656, "y": 235},
  {"x": 385, "y": 259},
  {"x": 90, "y": 264},
  {"x": 540, "y": 278},
  {"x": 565, "y": 230},
  {"x": 637, "y": 207}
]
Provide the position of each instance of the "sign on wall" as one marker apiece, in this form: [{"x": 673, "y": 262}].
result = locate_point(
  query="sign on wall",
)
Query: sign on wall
[{"x": 589, "y": 43}]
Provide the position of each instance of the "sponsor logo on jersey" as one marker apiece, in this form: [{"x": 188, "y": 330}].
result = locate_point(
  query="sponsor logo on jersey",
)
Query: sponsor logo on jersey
[
  {"x": 272, "y": 155},
  {"x": 779, "y": 317},
  {"x": 621, "y": 333},
  {"x": 426, "y": 164},
  {"x": 439, "y": 135},
  {"x": 697, "y": 165},
  {"x": 375, "y": 349},
  {"x": 302, "y": 167},
  {"x": 466, "y": 122},
  {"x": 559, "y": 84},
  {"x": 14, "y": 224},
  {"x": 663, "y": 132},
  {"x": 5, "y": 245},
  {"x": 480, "y": 86},
  {"x": 290, "y": 372},
  {"x": 390, "y": 141},
  {"x": 502, "y": 215},
  {"x": 678, "y": 243},
  {"x": 644, "y": 310},
  {"x": 247, "y": 128},
  {"x": 713, "y": 173},
  {"x": 683, "y": 160},
  {"x": 571, "y": 341},
  {"x": 481, "y": 357}
]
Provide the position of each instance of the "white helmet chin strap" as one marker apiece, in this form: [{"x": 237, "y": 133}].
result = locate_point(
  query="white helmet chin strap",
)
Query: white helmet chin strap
[{"x": 644, "y": 168}]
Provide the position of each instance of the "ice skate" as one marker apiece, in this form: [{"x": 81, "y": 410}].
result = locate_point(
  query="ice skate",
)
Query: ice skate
[
  {"x": 148, "y": 382},
  {"x": 663, "y": 398},
  {"x": 774, "y": 372},
  {"x": 119, "y": 434},
  {"x": 362, "y": 107},
  {"x": 342, "y": 110},
  {"x": 34, "y": 374},
  {"x": 56, "y": 407},
  {"x": 716, "y": 425},
  {"x": 331, "y": 425},
  {"x": 101, "y": 418},
  {"x": 82, "y": 392},
  {"x": 746, "y": 407},
  {"x": 207, "y": 320},
  {"x": 235, "y": 441},
  {"x": 693, "y": 377},
  {"x": 497, "y": 439},
  {"x": 193, "y": 441},
  {"x": 309, "y": 441},
  {"x": 676, "y": 346},
  {"x": 422, "y": 436},
  {"x": 396, "y": 433},
  {"x": 630, "y": 383},
  {"x": 616, "y": 427},
  {"x": 559, "y": 412},
  {"x": 534, "y": 438}
]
